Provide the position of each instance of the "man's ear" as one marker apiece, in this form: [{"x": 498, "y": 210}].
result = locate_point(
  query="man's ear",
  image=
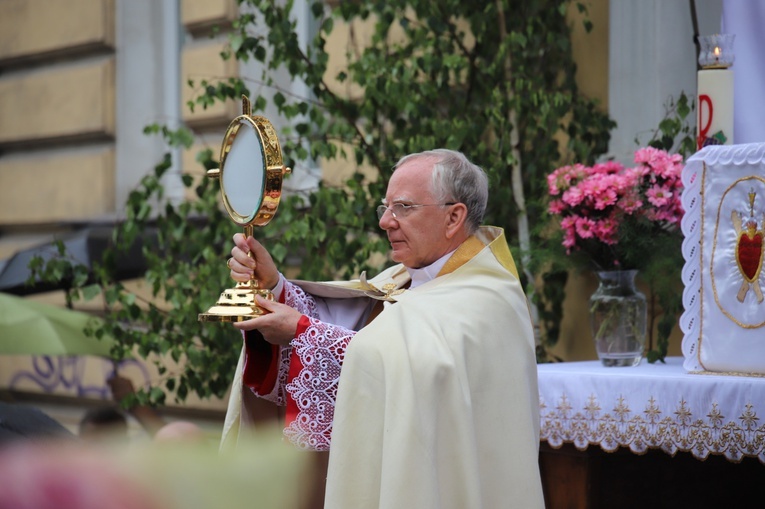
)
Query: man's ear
[{"x": 455, "y": 220}]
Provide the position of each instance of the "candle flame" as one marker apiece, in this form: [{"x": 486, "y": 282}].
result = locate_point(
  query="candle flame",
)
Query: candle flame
[{"x": 717, "y": 51}]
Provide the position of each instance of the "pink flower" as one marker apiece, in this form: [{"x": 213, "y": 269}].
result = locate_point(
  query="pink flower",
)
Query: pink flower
[
  {"x": 585, "y": 228},
  {"x": 556, "y": 207},
  {"x": 630, "y": 202},
  {"x": 561, "y": 179},
  {"x": 606, "y": 230},
  {"x": 605, "y": 199},
  {"x": 573, "y": 196},
  {"x": 653, "y": 157},
  {"x": 659, "y": 196},
  {"x": 608, "y": 167},
  {"x": 569, "y": 240},
  {"x": 553, "y": 183},
  {"x": 568, "y": 223}
]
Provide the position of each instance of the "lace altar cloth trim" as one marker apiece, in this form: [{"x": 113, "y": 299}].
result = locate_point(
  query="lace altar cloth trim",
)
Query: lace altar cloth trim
[
  {"x": 723, "y": 312},
  {"x": 652, "y": 406}
]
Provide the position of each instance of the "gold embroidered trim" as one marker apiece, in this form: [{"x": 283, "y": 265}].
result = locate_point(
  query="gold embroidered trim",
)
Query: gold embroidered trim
[
  {"x": 734, "y": 438},
  {"x": 400, "y": 281},
  {"x": 701, "y": 264},
  {"x": 727, "y": 373},
  {"x": 714, "y": 250},
  {"x": 467, "y": 250},
  {"x": 502, "y": 252},
  {"x": 473, "y": 245}
]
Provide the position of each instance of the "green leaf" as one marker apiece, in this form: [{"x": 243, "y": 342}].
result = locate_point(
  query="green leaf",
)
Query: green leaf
[
  {"x": 91, "y": 291},
  {"x": 236, "y": 40},
  {"x": 669, "y": 127},
  {"x": 683, "y": 109},
  {"x": 327, "y": 25},
  {"x": 156, "y": 396}
]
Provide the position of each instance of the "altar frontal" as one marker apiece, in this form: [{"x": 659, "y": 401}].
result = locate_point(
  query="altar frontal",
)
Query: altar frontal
[{"x": 724, "y": 227}]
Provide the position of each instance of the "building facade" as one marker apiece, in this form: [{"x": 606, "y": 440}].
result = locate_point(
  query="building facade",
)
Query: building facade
[{"x": 79, "y": 81}]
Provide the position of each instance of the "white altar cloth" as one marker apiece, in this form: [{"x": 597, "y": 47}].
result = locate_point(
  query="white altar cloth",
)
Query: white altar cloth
[{"x": 652, "y": 406}]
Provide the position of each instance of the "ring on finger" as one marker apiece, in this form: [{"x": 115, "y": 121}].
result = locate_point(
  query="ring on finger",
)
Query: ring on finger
[{"x": 228, "y": 263}]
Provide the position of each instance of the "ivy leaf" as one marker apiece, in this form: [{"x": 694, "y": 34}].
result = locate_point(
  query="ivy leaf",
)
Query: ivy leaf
[
  {"x": 235, "y": 41},
  {"x": 90, "y": 291}
]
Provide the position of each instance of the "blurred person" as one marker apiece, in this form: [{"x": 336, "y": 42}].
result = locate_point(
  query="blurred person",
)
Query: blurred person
[
  {"x": 58, "y": 476},
  {"x": 104, "y": 423},
  {"x": 122, "y": 388},
  {"x": 180, "y": 431}
]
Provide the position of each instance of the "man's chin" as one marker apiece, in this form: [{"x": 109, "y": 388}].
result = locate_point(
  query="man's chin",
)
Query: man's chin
[{"x": 396, "y": 255}]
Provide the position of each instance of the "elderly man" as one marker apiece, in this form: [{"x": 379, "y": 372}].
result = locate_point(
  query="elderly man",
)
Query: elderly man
[{"x": 423, "y": 379}]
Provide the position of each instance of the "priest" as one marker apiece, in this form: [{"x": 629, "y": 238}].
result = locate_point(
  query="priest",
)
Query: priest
[{"x": 421, "y": 382}]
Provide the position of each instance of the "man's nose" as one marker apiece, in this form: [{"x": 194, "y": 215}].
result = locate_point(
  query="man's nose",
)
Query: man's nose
[{"x": 387, "y": 221}]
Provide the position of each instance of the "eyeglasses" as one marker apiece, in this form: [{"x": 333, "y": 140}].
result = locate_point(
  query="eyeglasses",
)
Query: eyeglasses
[{"x": 401, "y": 210}]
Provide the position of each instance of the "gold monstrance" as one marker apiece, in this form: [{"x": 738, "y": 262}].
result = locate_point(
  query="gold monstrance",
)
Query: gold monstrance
[{"x": 251, "y": 173}]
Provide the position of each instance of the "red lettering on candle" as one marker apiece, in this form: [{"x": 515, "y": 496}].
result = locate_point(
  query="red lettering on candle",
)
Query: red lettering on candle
[{"x": 704, "y": 128}]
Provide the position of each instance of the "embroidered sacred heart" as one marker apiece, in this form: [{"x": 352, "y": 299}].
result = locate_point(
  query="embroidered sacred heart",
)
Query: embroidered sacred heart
[{"x": 749, "y": 251}]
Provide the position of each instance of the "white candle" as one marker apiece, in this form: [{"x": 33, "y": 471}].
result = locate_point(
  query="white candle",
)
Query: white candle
[
  {"x": 714, "y": 99},
  {"x": 714, "y": 104}
]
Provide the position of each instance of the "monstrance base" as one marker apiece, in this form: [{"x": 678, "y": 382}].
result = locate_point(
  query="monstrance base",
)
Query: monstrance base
[{"x": 237, "y": 304}]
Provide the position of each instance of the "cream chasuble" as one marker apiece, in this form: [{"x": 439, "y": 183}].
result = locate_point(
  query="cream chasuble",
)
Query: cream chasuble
[{"x": 438, "y": 402}]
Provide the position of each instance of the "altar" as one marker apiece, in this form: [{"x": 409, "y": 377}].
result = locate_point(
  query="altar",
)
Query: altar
[{"x": 650, "y": 420}]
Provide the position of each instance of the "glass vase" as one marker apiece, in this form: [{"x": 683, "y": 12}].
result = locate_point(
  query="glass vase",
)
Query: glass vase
[{"x": 618, "y": 319}]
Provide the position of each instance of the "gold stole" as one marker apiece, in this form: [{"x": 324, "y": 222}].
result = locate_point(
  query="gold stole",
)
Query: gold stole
[{"x": 467, "y": 250}]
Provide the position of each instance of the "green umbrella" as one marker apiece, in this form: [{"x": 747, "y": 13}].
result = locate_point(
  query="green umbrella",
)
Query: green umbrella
[{"x": 34, "y": 328}]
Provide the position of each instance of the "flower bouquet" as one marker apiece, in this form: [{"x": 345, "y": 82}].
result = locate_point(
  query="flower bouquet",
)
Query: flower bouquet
[
  {"x": 618, "y": 221},
  {"x": 614, "y": 218}
]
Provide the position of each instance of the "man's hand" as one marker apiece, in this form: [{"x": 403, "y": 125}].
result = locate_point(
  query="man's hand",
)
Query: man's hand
[
  {"x": 149, "y": 418},
  {"x": 278, "y": 326},
  {"x": 249, "y": 258},
  {"x": 120, "y": 386}
]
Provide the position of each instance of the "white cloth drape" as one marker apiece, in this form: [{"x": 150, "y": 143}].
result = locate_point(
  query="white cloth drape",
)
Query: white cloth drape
[
  {"x": 747, "y": 21},
  {"x": 652, "y": 406}
]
